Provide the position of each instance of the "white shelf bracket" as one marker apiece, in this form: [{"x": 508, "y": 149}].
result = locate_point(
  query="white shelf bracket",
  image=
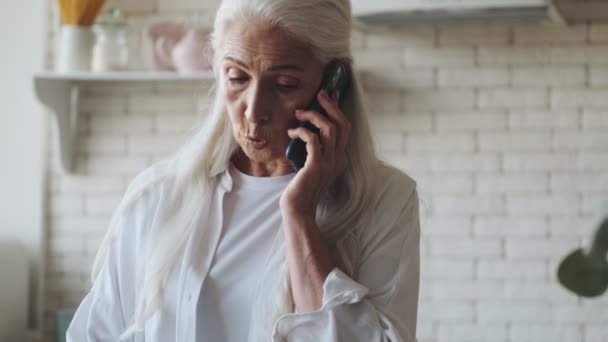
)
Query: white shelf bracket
[
  {"x": 59, "y": 93},
  {"x": 61, "y": 98}
]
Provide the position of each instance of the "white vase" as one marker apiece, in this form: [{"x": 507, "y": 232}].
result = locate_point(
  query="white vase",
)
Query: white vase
[{"x": 74, "y": 49}]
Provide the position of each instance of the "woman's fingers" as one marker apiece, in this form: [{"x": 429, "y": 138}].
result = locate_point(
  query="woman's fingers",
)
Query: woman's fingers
[
  {"x": 327, "y": 129},
  {"x": 337, "y": 116},
  {"x": 313, "y": 145},
  {"x": 334, "y": 131}
]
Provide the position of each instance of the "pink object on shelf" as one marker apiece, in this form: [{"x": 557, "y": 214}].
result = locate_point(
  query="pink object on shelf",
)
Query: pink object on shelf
[
  {"x": 169, "y": 46},
  {"x": 162, "y": 35},
  {"x": 192, "y": 53}
]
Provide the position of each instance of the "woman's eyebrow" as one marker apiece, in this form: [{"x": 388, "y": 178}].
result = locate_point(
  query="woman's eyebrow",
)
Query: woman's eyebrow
[
  {"x": 272, "y": 68},
  {"x": 232, "y": 59},
  {"x": 285, "y": 66}
]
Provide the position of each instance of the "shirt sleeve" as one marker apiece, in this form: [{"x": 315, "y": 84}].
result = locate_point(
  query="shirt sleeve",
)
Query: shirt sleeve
[
  {"x": 109, "y": 305},
  {"x": 99, "y": 316},
  {"x": 382, "y": 304}
]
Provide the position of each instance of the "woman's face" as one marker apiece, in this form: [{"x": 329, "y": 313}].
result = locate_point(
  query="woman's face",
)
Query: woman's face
[{"x": 267, "y": 74}]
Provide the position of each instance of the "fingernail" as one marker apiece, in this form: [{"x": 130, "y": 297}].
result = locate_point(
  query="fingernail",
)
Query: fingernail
[{"x": 324, "y": 93}]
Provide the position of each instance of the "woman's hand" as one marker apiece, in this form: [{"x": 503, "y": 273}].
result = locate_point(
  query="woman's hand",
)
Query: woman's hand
[{"x": 326, "y": 159}]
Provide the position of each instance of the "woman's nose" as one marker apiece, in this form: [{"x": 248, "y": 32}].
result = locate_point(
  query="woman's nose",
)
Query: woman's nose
[{"x": 258, "y": 109}]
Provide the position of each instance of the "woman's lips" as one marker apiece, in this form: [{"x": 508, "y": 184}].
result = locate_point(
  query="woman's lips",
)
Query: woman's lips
[{"x": 257, "y": 142}]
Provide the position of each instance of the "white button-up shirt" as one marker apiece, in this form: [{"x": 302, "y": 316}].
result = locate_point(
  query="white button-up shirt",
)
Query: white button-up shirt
[{"x": 379, "y": 303}]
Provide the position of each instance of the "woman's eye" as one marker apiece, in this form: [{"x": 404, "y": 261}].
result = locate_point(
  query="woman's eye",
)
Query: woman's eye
[
  {"x": 287, "y": 83},
  {"x": 287, "y": 86},
  {"x": 237, "y": 80},
  {"x": 235, "y": 76}
]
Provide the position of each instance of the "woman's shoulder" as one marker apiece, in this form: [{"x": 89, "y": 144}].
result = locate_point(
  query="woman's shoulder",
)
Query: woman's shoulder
[
  {"x": 139, "y": 206},
  {"x": 152, "y": 179},
  {"x": 394, "y": 213},
  {"x": 393, "y": 186},
  {"x": 395, "y": 202},
  {"x": 143, "y": 197},
  {"x": 390, "y": 192}
]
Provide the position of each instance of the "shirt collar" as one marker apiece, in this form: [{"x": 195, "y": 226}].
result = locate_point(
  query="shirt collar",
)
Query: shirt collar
[{"x": 226, "y": 180}]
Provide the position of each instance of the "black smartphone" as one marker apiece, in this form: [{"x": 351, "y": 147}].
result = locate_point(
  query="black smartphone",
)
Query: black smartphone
[{"x": 336, "y": 77}]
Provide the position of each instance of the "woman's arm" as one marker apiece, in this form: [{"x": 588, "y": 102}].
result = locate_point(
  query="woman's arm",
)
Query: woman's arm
[
  {"x": 381, "y": 305},
  {"x": 309, "y": 261}
]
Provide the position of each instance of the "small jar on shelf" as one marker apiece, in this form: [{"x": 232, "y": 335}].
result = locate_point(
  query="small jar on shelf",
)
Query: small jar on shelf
[{"x": 111, "y": 50}]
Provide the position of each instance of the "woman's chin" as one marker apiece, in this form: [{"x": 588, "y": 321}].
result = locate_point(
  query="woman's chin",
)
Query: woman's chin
[
  {"x": 261, "y": 154},
  {"x": 257, "y": 153}
]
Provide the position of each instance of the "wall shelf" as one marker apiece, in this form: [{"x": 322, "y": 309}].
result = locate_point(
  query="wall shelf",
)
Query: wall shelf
[{"x": 59, "y": 92}]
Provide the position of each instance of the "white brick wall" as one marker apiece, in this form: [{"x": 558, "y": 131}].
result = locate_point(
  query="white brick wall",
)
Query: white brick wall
[
  {"x": 504, "y": 127},
  {"x": 513, "y": 167}
]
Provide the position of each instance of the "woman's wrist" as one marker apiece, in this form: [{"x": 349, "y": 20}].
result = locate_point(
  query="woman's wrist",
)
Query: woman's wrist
[
  {"x": 298, "y": 217},
  {"x": 297, "y": 211}
]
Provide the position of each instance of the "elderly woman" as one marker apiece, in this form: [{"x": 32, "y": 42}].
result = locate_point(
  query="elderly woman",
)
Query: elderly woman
[{"x": 225, "y": 242}]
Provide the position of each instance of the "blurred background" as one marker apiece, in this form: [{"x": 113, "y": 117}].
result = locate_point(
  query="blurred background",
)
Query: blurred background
[{"x": 502, "y": 121}]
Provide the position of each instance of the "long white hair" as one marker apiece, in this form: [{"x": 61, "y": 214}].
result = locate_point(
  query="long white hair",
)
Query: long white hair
[{"x": 326, "y": 26}]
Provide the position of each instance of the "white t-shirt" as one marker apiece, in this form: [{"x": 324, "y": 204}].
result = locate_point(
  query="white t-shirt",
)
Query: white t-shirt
[{"x": 251, "y": 221}]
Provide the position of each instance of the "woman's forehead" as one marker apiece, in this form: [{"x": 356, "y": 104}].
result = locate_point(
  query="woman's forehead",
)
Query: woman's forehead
[{"x": 263, "y": 46}]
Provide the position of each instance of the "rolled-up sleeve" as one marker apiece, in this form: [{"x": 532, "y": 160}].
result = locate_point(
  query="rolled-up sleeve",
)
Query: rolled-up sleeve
[{"x": 382, "y": 304}]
